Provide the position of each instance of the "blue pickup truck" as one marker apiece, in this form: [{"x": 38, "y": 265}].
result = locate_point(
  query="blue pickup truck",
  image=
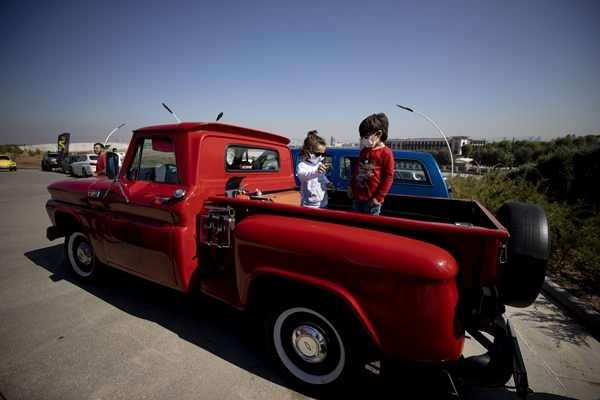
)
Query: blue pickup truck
[{"x": 415, "y": 173}]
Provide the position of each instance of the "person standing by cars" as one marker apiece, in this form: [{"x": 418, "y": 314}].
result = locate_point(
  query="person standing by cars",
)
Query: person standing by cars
[
  {"x": 119, "y": 155},
  {"x": 101, "y": 163},
  {"x": 373, "y": 174}
]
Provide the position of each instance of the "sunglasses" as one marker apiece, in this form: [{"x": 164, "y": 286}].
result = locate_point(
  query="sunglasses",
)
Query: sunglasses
[{"x": 320, "y": 154}]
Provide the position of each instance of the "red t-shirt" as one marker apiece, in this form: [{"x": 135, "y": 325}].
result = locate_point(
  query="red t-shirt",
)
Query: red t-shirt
[
  {"x": 101, "y": 164},
  {"x": 373, "y": 174}
]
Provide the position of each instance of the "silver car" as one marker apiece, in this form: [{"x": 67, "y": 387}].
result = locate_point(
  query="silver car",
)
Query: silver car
[{"x": 86, "y": 166}]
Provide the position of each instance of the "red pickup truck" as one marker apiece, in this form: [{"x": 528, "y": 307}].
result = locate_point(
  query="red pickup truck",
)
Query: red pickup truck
[{"x": 214, "y": 208}]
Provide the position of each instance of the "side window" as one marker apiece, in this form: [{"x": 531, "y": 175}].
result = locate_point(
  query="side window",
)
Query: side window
[
  {"x": 328, "y": 162},
  {"x": 346, "y": 167},
  {"x": 154, "y": 161},
  {"x": 410, "y": 171},
  {"x": 243, "y": 158}
]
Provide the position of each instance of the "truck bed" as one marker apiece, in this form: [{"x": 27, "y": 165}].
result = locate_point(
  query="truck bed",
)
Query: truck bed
[
  {"x": 462, "y": 213},
  {"x": 462, "y": 227}
]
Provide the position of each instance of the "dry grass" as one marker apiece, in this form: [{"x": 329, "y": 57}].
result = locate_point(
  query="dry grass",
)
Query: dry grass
[{"x": 25, "y": 161}]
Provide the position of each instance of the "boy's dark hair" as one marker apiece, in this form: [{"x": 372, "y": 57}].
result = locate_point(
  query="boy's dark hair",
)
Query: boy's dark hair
[
  {"x": 99, "y": 144},
  {"x": 312, "y": 140},
  {"x": 375, "y": 122}
]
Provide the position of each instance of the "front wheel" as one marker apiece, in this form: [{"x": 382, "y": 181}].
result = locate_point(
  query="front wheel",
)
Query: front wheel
[
  {"x": 311, "y": 346},
  {"x": 80, "y": 256}
]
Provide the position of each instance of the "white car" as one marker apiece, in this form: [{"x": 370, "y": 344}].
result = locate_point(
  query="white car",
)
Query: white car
[{"x": 86, "y": 167}]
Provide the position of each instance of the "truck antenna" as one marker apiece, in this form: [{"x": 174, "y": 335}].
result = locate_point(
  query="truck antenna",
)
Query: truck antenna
[
  {"x": 219, "y": 116},
  {"x": 172, "y": 113},
  {"x": 111, "y": 132}
]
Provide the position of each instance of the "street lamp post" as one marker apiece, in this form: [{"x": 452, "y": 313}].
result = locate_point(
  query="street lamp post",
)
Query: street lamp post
[
  {"x": 440, "y": 131},
  {"x": 111, "y": 133}
]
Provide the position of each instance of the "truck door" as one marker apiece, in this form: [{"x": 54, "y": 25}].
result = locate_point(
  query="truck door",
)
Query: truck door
[{"x": 142, "y": 221}]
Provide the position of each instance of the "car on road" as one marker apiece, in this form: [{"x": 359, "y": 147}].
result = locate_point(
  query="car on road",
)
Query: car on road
[
  {"x": 213, "y": 208},
  {"x": 7, "y": 163},
  {"x": 50, "y": 161},
  {"x": 68, "y": 160},
  {"x": 86, "y": 166}
]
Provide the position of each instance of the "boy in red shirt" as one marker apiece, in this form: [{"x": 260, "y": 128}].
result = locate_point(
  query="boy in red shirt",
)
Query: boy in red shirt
[{"x": 374, "y": 171}]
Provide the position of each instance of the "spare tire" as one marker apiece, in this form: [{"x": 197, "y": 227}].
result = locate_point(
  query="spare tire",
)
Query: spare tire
[{"x": 528, "y": 250}]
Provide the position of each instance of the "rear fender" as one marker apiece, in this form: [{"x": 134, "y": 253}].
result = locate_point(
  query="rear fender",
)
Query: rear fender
[{"x": 262, "y": 274}]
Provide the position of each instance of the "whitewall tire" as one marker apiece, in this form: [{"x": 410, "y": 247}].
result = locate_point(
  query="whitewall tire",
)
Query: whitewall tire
[
  {"x": 80, "y": 255},
  {"x": 311, "y": 346}
]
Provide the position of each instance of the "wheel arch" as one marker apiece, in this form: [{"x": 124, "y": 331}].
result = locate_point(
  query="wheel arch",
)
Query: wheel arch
[
  {"x": 66, "y": 222},
  {"x": 270, "y": 285}
]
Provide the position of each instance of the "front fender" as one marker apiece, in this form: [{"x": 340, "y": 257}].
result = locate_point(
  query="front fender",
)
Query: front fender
[{"x": 65, "y": 217}]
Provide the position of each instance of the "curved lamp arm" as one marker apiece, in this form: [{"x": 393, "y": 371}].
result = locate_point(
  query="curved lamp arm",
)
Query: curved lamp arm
[
  {"x": 111, "y": 133},
  {"x": 439, "y": 130}
]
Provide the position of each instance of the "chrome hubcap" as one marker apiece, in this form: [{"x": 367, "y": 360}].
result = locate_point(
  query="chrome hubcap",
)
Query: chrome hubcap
[
  {"x": 309, "y": 343},
  {"x": 84, "y": 253}
]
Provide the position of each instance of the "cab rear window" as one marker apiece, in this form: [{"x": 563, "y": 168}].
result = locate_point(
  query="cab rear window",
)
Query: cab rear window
[
  {"x": 245, "y": 158},
  {"x": 410, "y": 171}
]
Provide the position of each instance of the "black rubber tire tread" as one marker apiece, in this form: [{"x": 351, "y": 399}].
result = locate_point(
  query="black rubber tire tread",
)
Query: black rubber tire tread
[{"x": 528, "y": 251}]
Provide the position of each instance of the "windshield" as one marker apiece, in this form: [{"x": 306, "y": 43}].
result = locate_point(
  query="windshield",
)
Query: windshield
[
  {"x": 4, "y": 158},
  {"x": 52, "y": 154},
  {"x": 93, "y": 158}
]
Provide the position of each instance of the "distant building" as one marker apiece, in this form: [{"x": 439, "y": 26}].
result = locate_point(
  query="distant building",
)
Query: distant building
[{"x": 434, "y": 144}]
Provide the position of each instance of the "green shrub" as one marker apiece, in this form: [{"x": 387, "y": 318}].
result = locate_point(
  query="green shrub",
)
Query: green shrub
[{"x": 574, "y": 228}]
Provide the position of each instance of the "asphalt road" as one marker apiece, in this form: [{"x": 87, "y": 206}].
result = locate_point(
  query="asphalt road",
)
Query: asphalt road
[{"x": 129, "y": 339}]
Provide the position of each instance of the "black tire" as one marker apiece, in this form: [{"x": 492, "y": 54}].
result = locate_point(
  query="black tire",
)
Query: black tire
[
  {"x": 80, "y": 257},
  {"x": 44, "y": 168},
  {"x": 528, "y": 251},
  {"x": 314, "y": 346}
]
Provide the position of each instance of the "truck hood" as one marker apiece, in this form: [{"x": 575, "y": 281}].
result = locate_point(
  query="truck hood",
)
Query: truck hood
[{"x": 75, "y": 191}]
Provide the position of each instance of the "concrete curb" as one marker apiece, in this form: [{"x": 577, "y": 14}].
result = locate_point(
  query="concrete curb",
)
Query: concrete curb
[{"x": 584, "y": 313}]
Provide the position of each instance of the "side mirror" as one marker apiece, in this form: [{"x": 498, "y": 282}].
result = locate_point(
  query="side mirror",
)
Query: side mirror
[{"x": 112, "y": 165}]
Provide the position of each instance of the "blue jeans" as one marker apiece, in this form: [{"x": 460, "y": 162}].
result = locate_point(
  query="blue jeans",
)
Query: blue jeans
[{"x": 365, "y": 207}]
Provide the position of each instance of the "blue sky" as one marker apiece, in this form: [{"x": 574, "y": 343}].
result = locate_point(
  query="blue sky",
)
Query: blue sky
[{"x": 479, "y": 68}]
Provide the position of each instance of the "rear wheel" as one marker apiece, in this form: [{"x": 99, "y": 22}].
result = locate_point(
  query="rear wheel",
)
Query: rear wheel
[
  {"x": 80, "y": 256},
  {"x": 312, "y": 345},
  {"x": 528, "y": 251}
]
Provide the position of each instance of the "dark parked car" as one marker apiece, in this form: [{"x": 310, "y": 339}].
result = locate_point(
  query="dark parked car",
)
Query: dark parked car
[
  {"x": 70, "y": 159},
  {"x": 50, "y": 161}
]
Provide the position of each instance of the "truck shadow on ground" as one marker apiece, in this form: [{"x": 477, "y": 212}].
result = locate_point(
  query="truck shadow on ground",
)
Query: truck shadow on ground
[{"x": 233, "y": 337}]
